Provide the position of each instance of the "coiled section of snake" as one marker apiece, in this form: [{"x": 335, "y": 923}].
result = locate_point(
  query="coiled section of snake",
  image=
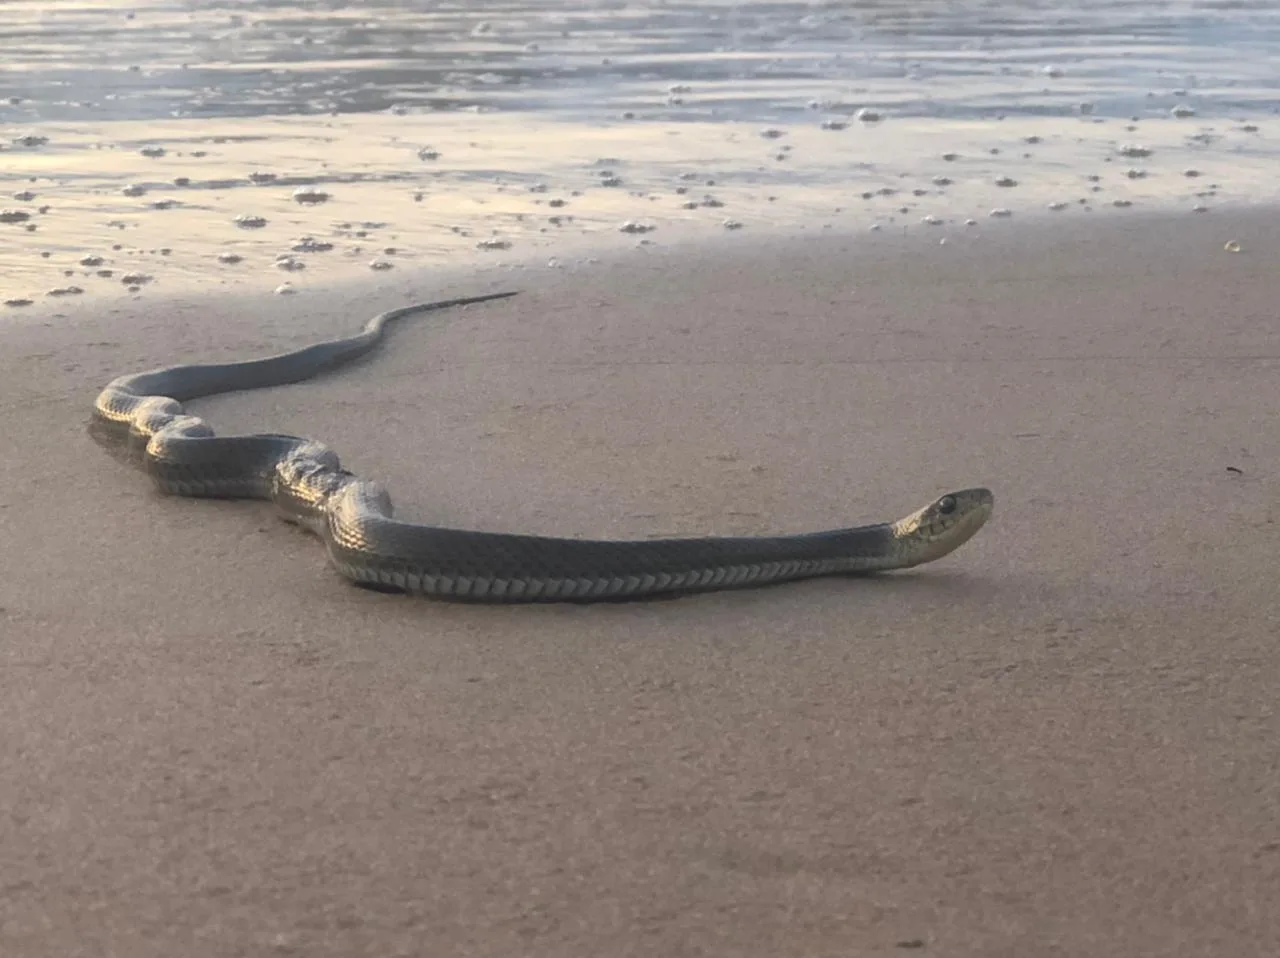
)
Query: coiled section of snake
[{"x": 143, "y": 415}]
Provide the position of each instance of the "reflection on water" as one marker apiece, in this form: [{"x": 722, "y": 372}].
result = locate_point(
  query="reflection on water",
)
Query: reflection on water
[
  {"x": 515, "y": 124},
  {"x": 101, "y": 61}
]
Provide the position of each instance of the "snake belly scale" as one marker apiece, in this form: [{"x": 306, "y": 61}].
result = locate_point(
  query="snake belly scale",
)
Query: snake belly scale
[{"x": 142, "y": 414}]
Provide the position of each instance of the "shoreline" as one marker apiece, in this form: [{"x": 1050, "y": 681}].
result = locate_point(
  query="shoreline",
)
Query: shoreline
[{"x": 1062, "y": 733}]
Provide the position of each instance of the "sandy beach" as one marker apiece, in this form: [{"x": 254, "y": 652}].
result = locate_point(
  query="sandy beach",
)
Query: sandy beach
[{"x": 1061, "y": 740}]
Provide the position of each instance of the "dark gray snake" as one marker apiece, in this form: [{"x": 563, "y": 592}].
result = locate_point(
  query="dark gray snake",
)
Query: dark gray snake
[{"x": 143, "y": 415}]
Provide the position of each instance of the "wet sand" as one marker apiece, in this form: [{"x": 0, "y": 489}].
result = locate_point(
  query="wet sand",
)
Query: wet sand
[{"x": 1060, "y": 740}]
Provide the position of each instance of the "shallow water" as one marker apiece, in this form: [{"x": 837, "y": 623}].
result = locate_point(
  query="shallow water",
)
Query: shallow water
[{"x": 137, "y": 133}]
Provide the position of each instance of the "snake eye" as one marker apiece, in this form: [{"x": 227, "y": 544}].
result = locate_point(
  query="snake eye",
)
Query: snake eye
[{"x": 947, "y": 505}]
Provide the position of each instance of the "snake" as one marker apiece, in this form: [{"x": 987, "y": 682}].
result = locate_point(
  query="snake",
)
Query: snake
[{"x": 141, "y": 417}]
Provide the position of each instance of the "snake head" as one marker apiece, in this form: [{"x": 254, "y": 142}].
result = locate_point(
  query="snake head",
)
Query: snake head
[{"x": 943, "y": 525}]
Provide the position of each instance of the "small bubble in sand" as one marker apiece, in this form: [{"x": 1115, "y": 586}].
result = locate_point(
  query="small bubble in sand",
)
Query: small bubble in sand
[
  {"x": 772, "y": 133},
  {"x": 230, "y": 258},
  {"x": 942, "y": 181},
  {"x": 732, "y": 224},
  {"x": 290, "y": 263},
  {"x": 135, "y": 279},
  {"x": 971, "y": 222},
  {"x": 153, "y": 151},
  {"x": 868, "y": 115},
  {"x": 1031, "y": 139},
  {"x": 165, "y": 204},
  {"x": 14, "y": 216},
  {"x": 24, "y": 196},
  {"x": 1182, "y": 111},
  {"x": 427, "y": 153},
  {"x": 631, "y": 226},
  {"x": 1057, "y": 205},
  {"x": 932, "y": 220},
  {"x": 310, "y": 195},
  {"x": 1052, "y": 71},
  {"x": 610, "y": 179},
  {"x": 91, "y": 260},
  {"x": 1199, "y": 208},
  {"x": 134, "y": 189},
  {"x": 1136, "y": 174},
  {"x": 1006, "y": 181},
  {"x": 951, "y": 157},
  {"x": 285, "y": 289},
  {"x": 1122, "y": 203},
  {"x": 1133, "y": 151},
  {"x": 1192, "y": 173},
  {"x": 309, "y": 244},
  {"x": 493, "y": 244},
  {"x": 1001, "y": 212},
  {"x": 249, "y": 221},
  {"x": 834, "y": 125},
  {"x": 1232, "y": 246},
  {"x": 381, "y": 264},
  {"x": 260, "y": 179}
]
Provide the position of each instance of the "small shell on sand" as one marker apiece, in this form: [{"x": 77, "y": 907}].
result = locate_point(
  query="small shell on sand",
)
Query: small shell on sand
[
  {"x": 230, "y": 258},
  {"x": 91, "y": 260},
  {"x": 1000, "y": 212},
  {"x": 631, "y": 226},
  {"x": 1006, "y": 181},
  {"x": 248, "y": 221},
  {"x": 381, "y": 264},
  {"x": 65, "y": 291},
  {"x": 135, "y": 189},
  {"x": 135, "y": 279},
  {"x": 24, "y": 196},
  {"x": 14, "y": 216},
  {"x": 262, "y": 178},
  {"x": 19, "y": 301},
  {"x": 1133, "y": 151},
  {"x": 291, "y": 263},
  {"x": 153, "y": 151},
  {"x": 1182, "y": 110},
  {"x": 868, "y": 115},
  {"x": 732, "y": 224},
  {"x": 285, "y": 289},
  {"x": 310, "y": 195},
  {"x": 1232, "y": 246},
  {"x": 427, "y": 153},
  {"x": 493, "y": 244}
]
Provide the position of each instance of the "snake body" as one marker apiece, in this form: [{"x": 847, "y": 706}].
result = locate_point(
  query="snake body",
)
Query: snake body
[{"x": 143, "y": 414}]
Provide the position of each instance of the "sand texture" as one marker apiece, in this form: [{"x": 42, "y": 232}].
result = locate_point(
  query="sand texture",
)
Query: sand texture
[{"x": 1062, "y": 740}]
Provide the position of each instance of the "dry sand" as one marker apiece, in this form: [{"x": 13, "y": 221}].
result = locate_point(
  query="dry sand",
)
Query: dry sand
[{"x": 1061, "y": 740}]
